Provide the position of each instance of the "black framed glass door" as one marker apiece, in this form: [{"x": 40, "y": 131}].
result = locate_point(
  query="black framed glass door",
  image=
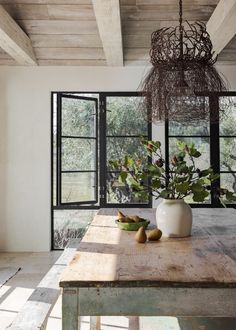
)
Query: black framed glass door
[
  {"x": 125, "y": 126},
  {"x": 77, "y": 150},
  {"x": 88, "y": 130}
]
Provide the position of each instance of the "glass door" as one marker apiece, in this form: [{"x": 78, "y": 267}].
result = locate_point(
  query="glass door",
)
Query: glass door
[
  {"x": 125, "y": 126},
  {"x": 77, "y": 150}
]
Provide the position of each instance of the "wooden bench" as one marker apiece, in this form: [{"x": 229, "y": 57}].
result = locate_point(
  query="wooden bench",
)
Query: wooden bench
[{"x": 36, "y": 310}]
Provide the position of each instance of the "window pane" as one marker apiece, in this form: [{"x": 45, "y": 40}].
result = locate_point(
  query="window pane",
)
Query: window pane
[
  {"x": 70, "y": 224},
  {"x": 78, "y": 117},
  {"x": 125, "y": 117},
  {"x": 78, "y": 154},
  {"x": 228, "y": 120},
  {"x": 119, "y": 192},
  {"x": 78, "y": 187},
  {"x": 228, "y": 154},
  {"x": 228, "y": 181},
  {"x": 202, "y": 144},
  {"x": 118, "y": 148},
  {"x": 202, "y": 129}
]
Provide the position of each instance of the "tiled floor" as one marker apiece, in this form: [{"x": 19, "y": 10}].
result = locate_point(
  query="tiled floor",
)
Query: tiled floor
[{"x": 34, "y": 266}]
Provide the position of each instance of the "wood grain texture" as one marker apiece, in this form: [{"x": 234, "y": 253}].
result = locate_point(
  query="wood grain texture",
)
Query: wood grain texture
[
  {"x": 222, "y": 24},
  {"x": 109, "y": 25},
  {"x": 165, "y": 12},
  {"x": 64, "y": 41},
  {"x": 120, "y": 261},
  {"x": 64, "y": 2},
  {"x": 45, "y": 12},
  {"x": 58, "y": 27},
  {"x": 146, "y": 301},
  {"x": 145, "y": 27},
  {"x": 174, "y": 3},
  {"x": 69, "y": 53},
  {"x": 14, "y": 41}
]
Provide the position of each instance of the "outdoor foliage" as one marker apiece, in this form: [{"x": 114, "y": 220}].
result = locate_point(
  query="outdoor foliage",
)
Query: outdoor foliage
[{"x": 183, "y": 178}]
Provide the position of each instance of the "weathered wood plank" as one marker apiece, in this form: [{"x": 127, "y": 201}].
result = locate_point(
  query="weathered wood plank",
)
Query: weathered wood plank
[
  {"x": 69, "y": 53},
  {"x": 14, "y": 41},
  {"x": 120, "y": 261},
  {"x": 145, "y": 27},
  {"x": 227, "y": 55},
  {"x": 46, "y": 12},
  {"x": 136, "y": 54},
  {"x": 63, "y": 41},
  {"x": 55, "y": 27},
  {"x": 8, "y": 62},
  {"x": 64, "y": 2},
  {"x": 70, "y": 309},
  {"x": 221, "y": 26},
  {"x": 174, "y": 3},
  {"x": 232, "y": 44},
  {"x": 165, "y": 12},
  {"x": 158, "y": 301},
  {"x": 109, "y": 25},
  {"x": 71, "y": 62},
  {"x": 136, "y": 41}
]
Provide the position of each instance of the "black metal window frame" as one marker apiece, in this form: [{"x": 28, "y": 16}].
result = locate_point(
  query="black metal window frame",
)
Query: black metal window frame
[
  {"x": 101, "y": 154},
  {"x": 60, "y": 136},
  {"x": 214, "y": 138}
]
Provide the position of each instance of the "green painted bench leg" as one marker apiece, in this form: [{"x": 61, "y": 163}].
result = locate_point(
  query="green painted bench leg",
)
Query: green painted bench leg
[{"x": 70, "y": 309}]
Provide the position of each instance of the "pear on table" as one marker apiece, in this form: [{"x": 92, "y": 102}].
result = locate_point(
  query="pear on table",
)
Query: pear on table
[
  {"x": 141, "y": 236},
  {"x": 154, "y": 235}
]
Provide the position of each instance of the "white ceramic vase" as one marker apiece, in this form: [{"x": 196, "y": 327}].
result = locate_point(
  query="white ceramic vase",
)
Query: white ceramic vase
[{"x": 174, "y": 218}]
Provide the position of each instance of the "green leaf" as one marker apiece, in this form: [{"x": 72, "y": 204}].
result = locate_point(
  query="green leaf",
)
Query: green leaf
[
  {"x": 230, "y": 196},
  {"x": 164, "y": 194},
  {"x": 122, "y": 177},
  {"x": 200, "y": 196},
  {"x": 182, "y": 187},
  {"x": 196, "y": 187},
  {"x": 180, "y": 179},
  {"x": 182, "y": 168},
  {"x": 181, "y": 145},
  {"x": 156, "y": 184},
  {"x": 205, "y": 172},
  {"x": 154, "y": 169},
  {"x": 213, "y": 177}
]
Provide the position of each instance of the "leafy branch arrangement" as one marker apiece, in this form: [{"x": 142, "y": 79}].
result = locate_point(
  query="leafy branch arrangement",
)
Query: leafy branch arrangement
[{"x": 183, "y": 178}]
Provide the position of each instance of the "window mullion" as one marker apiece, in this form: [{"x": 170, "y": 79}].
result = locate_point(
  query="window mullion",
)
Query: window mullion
[
  {"x": 102, "y": 140},
  {"x": 214, "y": 146}
]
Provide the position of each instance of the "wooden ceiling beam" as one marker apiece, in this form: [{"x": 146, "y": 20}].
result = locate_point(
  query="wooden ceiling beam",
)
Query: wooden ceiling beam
[
  {"x": 222, "y": 24},
  {"x": 108, "y": 19},
  {"x": 14, "y": 40}
]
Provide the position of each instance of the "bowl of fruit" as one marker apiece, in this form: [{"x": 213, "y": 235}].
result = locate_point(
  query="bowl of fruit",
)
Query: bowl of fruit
[{"x": 131, "y": 222}]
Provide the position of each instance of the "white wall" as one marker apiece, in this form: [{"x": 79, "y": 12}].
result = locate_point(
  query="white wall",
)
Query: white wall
[{"x": 25, "y": 142}]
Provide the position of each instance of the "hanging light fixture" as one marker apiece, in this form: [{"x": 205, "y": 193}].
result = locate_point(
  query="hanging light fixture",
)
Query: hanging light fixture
[{"x": 182, "y": 72}]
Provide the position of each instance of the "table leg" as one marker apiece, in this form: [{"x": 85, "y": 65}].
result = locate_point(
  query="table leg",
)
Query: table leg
[
  {"x": 70, "y": 309},
  {"x": 95, "y": 322}
]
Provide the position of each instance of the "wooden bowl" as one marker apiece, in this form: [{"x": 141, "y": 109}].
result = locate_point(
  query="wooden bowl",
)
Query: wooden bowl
[{"x": 132, "y": 226}]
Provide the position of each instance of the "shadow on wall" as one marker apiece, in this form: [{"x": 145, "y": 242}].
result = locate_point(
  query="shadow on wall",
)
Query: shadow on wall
[{"x": 3, "y": 164}]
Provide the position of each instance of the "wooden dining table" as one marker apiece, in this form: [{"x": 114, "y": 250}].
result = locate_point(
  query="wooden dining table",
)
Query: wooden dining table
[{"x": 112, "y": 274}]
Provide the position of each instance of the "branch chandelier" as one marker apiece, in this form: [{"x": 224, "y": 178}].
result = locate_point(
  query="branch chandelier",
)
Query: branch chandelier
[{"x": 182, "y": 70}]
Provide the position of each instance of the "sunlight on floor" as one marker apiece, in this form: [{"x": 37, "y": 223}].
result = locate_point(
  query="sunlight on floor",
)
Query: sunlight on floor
[{"x": 11, "y": 301}]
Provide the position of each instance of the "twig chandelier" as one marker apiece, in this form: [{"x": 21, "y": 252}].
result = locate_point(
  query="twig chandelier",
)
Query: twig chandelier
[{"x": 182, "y": 70}]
